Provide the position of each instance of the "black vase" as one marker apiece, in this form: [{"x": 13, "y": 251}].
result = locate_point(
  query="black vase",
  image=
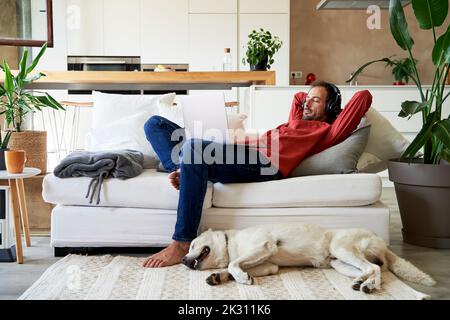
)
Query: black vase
[
  {"x": 261, "y": 66},
  {"x": 2, "y": 159}
]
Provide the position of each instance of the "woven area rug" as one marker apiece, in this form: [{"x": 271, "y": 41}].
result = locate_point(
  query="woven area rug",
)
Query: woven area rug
[{"x": 106, "y": 277}]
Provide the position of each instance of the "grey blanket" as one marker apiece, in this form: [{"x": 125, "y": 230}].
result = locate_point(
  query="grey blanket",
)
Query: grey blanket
[{"x": 121, "y": 164}]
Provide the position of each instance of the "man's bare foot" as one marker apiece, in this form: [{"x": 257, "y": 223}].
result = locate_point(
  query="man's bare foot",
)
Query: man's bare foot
[
  {"x": 174, "y": 179},
  {"x": 169, "y": 256}
]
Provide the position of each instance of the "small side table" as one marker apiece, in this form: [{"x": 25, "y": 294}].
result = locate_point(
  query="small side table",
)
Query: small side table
[{"x": 19, "y": 206}]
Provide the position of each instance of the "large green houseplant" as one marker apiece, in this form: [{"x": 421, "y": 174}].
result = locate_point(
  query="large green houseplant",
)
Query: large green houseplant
[
  {"x": 423, "y": 184},
  {"x": 16, "y": 102},
  {"x": 261, "y": 47}
]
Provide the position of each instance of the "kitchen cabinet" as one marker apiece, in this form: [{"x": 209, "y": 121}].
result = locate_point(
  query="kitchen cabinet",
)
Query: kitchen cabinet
[
  {"x": 85, "y": 23},
  {"x": 207, "y": 42},
  {"x": 277, "y": 24},
  {"x": 164, "y": 31},
  {"x": 103, "y": 28},
  {"x": 264, "y": 6},
  {"x": 122, "y": 28},
  {"x": 213, "y": 6}
]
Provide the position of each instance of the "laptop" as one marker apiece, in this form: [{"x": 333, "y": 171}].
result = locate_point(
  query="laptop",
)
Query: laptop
[{"x": 205, "y": 117}]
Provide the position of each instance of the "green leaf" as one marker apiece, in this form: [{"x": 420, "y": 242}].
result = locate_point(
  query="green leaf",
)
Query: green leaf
[
  {"x": 361, "y": 69},
  {"x": 430, "y": 13},
  {"x": 422, "y": 137},
  {"x": 410, "y": 108},
  {"x": 34, "y": 78},
  {"x": 54, "y": 104},
  {"x": 399, "y": 25},
  {"x": 2, "y": 90},
  {"x": 23, "y": 66},
  {"x": 9, "y": 84},
  {"x": 36, "y": 60},
  {"x": 441, "y": 50},
  {"x": 445, "y": 154},
  {"x": 441, "y": 130}
]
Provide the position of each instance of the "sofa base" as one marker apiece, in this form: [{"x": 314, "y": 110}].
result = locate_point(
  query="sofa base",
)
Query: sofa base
[{"x": 103, "y": 227}]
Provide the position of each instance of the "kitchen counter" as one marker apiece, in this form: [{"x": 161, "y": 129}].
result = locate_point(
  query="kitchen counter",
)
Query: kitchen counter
[{"x": 111, "y": 80}]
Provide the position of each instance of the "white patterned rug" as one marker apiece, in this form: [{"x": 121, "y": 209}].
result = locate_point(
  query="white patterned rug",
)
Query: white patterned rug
[{"x": 106, "y": 277}]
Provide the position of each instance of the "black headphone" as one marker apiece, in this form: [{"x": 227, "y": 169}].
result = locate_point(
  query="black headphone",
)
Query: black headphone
[{"x": 333, "y": 107}]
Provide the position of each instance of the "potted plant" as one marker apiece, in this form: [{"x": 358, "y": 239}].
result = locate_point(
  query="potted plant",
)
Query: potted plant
[
  {"x": 402, "y": 70},
  {"x": 16, "y": 102},
  {"x": 261, "y": 47},
  {"x": 422, "y": 184}
]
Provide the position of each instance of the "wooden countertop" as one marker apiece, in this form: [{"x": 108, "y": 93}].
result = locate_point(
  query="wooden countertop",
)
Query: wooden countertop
[{"x": 112, "y": 80}]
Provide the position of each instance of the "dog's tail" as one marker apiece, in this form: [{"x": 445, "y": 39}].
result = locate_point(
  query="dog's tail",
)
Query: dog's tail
[{"x": 406, "y": 270}]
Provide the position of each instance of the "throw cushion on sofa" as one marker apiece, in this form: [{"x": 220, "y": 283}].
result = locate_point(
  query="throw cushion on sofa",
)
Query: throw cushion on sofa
[
  {"x": 385, "y": 142},
  {"x": 339, "y": 159},
  {"x": 118, "y": 123},
  {"x": 111, "y": 107}
]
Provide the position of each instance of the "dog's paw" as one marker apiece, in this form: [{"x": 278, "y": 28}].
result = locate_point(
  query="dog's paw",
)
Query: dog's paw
[
  {"x": 367, "y": 287},
  {"x": 214, "y": 279},
  {"x": 357, "y": 285}
]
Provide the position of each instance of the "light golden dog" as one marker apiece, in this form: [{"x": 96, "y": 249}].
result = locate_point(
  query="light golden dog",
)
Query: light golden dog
[{"x": 260, "y": 251}]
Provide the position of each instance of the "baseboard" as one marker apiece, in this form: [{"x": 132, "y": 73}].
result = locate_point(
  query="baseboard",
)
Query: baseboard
[{"x": 64, "y": 251}]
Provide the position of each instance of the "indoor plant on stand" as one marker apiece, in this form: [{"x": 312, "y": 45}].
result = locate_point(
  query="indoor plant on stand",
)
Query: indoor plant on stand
[
  {"x": 16, "y": 103},
  {"x": 261, "y": 48},
  {"x": 422, "y": 185}
]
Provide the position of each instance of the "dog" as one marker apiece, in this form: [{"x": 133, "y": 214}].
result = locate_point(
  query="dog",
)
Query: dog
[{"x": 260, "y": 251}]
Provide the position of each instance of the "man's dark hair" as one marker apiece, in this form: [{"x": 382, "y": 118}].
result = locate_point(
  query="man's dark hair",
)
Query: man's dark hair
[{"x": 333, "y": 95}]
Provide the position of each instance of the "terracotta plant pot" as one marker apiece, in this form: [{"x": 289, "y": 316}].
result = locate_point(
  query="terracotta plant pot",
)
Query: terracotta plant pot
[
  {"x": 35, "y": 145},
  {"x": 423, "y": 194}
]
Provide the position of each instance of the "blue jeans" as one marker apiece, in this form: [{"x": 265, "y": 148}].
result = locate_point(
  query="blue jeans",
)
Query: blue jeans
[{"x": 201, "y": 161}]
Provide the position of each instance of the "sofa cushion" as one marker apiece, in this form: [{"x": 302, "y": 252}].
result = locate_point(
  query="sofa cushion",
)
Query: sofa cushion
[
  {"x": 340, "y": 190},
  {"x": 150, "y": 189},
  {"x": 118, "y": 123},
  {"x": 341, "y": 158},
  {"x": 385, "y": 142}
]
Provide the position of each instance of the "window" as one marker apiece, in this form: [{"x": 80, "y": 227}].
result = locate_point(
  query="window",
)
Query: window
[{"x": 27, "y": 23}]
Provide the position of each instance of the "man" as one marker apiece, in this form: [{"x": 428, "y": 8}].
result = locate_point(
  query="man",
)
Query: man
[{"x": 315, "y": 124}]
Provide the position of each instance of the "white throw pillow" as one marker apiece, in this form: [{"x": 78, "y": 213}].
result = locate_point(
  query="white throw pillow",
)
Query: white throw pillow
[
  {"x": 385, "y": 142},
  {"x": 111, "y": 107},
  {"x": 127, "y": 133},
  {"x": 118, "y": 123}
]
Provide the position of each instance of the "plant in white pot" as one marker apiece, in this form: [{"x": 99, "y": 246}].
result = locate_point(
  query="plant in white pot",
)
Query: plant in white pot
[
  {"x": 422, "y": 184},
  {"x": 16, "y": 102}
]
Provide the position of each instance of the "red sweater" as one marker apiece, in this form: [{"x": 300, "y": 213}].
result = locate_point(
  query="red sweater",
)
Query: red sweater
[{"x": 299, "y": 139}]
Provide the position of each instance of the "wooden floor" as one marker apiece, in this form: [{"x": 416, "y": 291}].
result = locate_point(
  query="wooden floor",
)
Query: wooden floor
[{"x": 15, "y": 279}]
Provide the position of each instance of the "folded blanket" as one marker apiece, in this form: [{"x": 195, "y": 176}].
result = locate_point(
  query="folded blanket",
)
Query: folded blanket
[{"x": 121, "y": 164}]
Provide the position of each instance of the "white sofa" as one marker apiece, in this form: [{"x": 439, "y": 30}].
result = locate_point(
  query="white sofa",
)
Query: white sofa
[{"x": 141, "y": 212}]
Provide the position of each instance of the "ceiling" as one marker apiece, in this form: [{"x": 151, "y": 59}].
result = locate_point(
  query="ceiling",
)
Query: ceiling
[{"x": 354, "y": 5}]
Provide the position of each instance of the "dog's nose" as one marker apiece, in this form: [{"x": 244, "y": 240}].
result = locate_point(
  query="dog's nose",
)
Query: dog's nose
[{"x": 190, "y": 263}]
